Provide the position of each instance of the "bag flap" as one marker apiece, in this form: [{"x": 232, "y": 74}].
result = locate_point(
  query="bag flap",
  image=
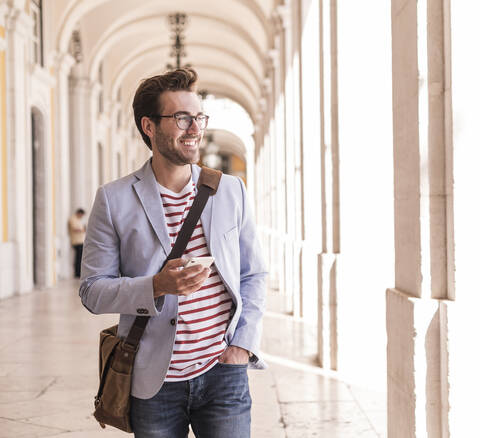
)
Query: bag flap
[{"x": 108, "y": 342}]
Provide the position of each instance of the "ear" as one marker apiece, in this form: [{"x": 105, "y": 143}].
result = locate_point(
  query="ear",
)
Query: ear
[{"x": 148, "y": 127}]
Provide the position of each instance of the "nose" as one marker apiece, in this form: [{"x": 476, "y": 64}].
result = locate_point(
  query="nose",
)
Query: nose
[{"x": 194, "y": 128}]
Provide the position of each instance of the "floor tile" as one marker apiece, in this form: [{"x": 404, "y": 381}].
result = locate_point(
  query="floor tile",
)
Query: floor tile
[
  {"x": 23, "y": 410},
  {"x": 326, "y": 419},
  {"x": 17, "y": 429},
  {"x": 49, "y": 376}
]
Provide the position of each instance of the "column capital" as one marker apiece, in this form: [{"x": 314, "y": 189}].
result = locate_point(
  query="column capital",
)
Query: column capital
[
  {"x": 41, "y": 74},
  {"x": 283, "y": 14},
  {"x": 17, "y": 20},
  {"x": 262, "y": 103},
  {"x": 82, "y": 84},
  {"x": 276, "y": 23},
  {"x": 62, "y": 62},
  {"x": 273, "y": 58},
  {"x": 4, "y": 8},
  {"x": 267, "y": 85},
  {"x": 258, "y": 125}
]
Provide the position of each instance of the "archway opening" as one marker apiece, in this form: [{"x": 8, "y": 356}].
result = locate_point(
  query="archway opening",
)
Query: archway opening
[{"x": 228, "y": 143}]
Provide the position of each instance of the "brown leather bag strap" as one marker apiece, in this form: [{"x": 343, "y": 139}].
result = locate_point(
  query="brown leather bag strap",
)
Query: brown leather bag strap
[
  {"x": 210, "y": 178},
  {"x": 207, "y": 186}
]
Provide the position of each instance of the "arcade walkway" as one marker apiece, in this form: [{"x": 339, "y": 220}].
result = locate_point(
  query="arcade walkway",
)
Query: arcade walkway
[{"x": 48, "y": 375}]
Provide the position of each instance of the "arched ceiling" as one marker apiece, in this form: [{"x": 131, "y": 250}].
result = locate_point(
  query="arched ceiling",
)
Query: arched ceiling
[
  {"x": 228, "y": 142},
  {"x": 226, "y": 41}
]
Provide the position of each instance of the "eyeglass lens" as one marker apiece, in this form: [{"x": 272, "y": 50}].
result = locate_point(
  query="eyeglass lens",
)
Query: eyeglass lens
[{"x": 185, "y": 121}]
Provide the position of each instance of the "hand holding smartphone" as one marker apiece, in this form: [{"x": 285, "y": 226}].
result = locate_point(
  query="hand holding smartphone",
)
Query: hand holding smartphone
[{"x": 206, "y": 262}]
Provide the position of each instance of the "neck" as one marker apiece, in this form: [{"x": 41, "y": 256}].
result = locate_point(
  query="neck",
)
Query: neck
[{"x": 170, "y": 175}]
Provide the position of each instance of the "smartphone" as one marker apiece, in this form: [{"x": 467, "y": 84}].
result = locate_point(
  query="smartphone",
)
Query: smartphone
[{"x": 204, "y": 261}]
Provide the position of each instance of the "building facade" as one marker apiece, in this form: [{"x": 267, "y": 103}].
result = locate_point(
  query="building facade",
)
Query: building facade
[{"x": 355, "y": 127}]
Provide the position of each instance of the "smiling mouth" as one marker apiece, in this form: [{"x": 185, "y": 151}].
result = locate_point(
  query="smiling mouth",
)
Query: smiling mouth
[{"x": 189, "y": 142}]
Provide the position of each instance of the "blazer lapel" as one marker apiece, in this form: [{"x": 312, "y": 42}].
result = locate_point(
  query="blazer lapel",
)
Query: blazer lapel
[{"x": 147, "y": 191}]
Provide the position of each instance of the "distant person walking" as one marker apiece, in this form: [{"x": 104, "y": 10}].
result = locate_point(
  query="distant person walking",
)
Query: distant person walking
[{"x": 76, "y": 230}]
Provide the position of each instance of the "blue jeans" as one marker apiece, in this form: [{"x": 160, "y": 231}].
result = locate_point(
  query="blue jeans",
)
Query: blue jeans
[{"x": 217, "y": 405}]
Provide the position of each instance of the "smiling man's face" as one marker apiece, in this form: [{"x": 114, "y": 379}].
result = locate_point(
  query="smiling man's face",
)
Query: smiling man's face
[{"x": 178, "y": 146}]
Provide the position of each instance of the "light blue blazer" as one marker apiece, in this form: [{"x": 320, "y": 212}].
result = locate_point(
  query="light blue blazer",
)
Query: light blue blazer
[{"x": 126, "y": 244}]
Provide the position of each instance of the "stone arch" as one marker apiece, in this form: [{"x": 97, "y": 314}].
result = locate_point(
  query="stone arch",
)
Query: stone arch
[
  {"x": 131, "y": 60},
  {"x": 76, "y": 10},
  {"x": 118, "y": 31}
]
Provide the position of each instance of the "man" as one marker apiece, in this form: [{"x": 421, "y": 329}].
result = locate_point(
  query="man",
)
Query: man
[
  {"x": 76, "y": 230},
  {"x": 205, "y": 323}
]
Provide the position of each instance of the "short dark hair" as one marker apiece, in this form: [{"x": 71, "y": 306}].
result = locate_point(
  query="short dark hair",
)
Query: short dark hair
[
  {"x": 145, "y": 102},
  {"x": 80, "y": 211}
]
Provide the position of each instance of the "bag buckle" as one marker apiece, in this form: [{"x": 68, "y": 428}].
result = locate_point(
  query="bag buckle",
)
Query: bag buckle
[{"x": 130, "y": 347}]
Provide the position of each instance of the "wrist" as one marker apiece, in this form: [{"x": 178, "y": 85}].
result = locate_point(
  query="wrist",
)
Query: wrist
[{"x": 157, "y": 289}]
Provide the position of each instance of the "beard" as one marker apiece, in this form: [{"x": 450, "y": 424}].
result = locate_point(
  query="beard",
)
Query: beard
[{"x": 171, "y": 150}]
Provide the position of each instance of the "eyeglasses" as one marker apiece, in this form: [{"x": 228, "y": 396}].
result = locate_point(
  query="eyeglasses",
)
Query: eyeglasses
[{"x": 185, "y": 121}]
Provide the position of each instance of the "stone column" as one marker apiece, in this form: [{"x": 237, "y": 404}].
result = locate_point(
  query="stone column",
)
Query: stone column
[
  {"x": 271, "y": 170},
  {"x": 18, "y": 28},
  {"x": 309, "y": 51},
  {"x": 104, "y": 127},
  {"x": 7, "y": 246},
  {"x": 62, "y": 66},
  {"x": 260, "y": 182},
  {"x": 297, "y": 206},
  {"x": 278, "y": 62},
  {"x": 98, "y": 169},
  {"x": 115, "y": 139},
  {"x": 285, "y": 13},
  {"x": 416, "y": 324},
  {"x": 329, "y": 187},
  {"x": 82, "y": 160},
  {"x": 279, "y": 157}
]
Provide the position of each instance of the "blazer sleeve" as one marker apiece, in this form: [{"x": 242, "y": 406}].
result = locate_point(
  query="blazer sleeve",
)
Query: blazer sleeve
[
  {"x": 102, "y": 289},
  {"x": 252, "y": 282}
]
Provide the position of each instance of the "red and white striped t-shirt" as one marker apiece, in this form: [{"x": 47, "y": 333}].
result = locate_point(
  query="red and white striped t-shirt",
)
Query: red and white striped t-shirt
[{"x": 203, "y": 316}]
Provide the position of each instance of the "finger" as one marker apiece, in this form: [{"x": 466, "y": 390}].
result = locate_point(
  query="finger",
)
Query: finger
[
  {"x": 198, "y": 282},
  {"x": 199, "y": 277},
  {"x": 190, "y": 286},
  {"x": 175, "y": 263},
  {"x": 191, "y": 271},
  {"x": 191, "y": 282}
]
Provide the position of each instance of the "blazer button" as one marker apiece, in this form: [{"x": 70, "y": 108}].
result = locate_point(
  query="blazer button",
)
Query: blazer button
[
  {"x": 172, "y": 321},
  {"x": 142, "y": 311}
]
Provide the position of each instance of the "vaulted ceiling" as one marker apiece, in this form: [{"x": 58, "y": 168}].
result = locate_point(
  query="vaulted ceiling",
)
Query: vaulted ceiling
[{"x": 226, "y": 41}]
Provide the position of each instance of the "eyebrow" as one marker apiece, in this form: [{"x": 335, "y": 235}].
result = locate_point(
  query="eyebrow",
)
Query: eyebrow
[{"x": 187, "y": 113}]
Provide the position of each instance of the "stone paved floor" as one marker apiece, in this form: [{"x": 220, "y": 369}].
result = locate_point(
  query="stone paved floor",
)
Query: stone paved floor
[{"x": 48, "y": 375}]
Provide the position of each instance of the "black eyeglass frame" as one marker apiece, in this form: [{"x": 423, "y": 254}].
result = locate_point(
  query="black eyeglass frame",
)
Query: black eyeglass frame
[{"x": 186, "y": 115}]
